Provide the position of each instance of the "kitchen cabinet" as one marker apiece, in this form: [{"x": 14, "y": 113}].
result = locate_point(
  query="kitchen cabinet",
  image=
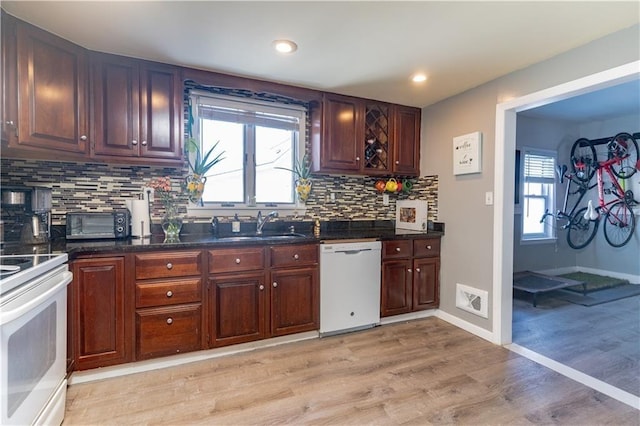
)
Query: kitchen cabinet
[
  {"x": 48, "y": 112},
  {"x": 410, "y": 275},
  {"x": 245, "y": 308},
  {"x": 168, "y": 303},
  {"x": 9, "y": 96},
  {"x": 101, "y": 332},
  {"x": 358, "y": 136},
  {"x": 136, "y": 115}
]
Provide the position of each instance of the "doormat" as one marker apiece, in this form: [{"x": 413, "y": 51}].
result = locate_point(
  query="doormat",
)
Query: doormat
[
  {"x": 593, "y": 282},
  {"x": 598, "y": 297}
]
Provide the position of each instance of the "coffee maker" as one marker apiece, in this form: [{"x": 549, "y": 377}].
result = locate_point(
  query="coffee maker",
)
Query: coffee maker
[{"x": 26, "y": 214}]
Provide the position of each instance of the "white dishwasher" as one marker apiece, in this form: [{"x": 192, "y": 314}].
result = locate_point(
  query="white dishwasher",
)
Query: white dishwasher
[{"x": 349, "y": 286}]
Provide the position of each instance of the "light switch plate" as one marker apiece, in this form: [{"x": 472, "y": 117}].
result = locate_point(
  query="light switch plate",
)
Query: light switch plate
[{"x": 488, "y": 198}]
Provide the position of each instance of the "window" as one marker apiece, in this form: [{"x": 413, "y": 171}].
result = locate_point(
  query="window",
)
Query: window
[
  {"x": 538, "y": 194},
  {"x": 258, "y": 140}
]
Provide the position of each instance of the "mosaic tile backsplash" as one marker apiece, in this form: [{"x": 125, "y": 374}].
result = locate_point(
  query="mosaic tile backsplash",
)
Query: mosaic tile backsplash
[{"x": 102, "y": 187}]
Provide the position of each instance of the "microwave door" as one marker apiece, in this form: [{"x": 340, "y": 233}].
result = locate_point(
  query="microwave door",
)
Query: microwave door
[{"x": 94, "y": 226}]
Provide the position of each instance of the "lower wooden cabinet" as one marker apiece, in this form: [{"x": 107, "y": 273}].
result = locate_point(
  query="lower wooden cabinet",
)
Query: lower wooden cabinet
[
  {"x": 101, "y": 332},
  {"x": 410, "y": 276},
  {"x": 295, "y": 300}
]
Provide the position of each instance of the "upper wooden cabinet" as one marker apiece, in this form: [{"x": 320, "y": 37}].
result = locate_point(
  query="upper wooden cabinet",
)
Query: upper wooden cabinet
[
  {"x": 47, "y": 110},
  {"x": 358, "y": 136},
  {"x": 136, "y": 109}
]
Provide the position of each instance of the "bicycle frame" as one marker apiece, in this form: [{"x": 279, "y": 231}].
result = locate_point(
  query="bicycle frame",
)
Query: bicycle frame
[{"x": 617, "y": 189}]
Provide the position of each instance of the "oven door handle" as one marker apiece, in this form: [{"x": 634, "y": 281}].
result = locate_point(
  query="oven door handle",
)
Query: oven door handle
[{"x": 63, "y": 280}]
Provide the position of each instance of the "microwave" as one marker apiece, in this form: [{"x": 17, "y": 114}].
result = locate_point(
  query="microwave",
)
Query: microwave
[{"x": 99, "y": 225}]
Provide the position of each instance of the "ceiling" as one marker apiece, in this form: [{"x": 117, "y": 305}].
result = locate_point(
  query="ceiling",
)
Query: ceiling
[{"x": 365, "y": 49}]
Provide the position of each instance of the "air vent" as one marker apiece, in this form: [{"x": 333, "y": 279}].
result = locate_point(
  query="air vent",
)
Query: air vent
[{"x": 472, "y": 300}]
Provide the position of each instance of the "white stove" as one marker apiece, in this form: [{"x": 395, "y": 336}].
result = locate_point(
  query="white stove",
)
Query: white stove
[{"x": 33, "y": 338}]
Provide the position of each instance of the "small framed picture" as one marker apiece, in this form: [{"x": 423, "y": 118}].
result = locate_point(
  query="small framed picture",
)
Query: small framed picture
[{"x": 467, "y": 154}]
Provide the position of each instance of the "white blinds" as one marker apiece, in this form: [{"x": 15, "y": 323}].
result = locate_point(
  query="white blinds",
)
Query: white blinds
[{"x": 539, "y": 168}]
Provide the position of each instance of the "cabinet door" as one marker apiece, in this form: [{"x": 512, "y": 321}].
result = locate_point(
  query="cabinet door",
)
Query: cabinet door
[
  {"x": 343, "y": 134},
  {"x": 378, "y": 123},
  {"x": 100, "y": 332},
  {"x": 9, "y": 68},
  {"x": 168, "y": 330},
  {"x": 115, "y": 99},
  {"x": 406, "y": 141},
  {"x": 160, "y": 111},
  {"x": 295, "y": 301},
  {"x": 237, "y": 308},
  {"x": 426, "y": 289},
  {"x": 396, "y": 286},
  {"x": 52, "y": 90}
]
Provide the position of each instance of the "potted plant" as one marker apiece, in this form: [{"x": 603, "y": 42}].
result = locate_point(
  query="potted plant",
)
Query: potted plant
[
  {"x": 199, "y": 166},
  {"x": 302, "y": 171}
]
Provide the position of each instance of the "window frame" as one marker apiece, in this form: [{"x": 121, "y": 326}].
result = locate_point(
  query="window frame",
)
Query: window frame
[
  {"x": 299, "y": 146},
  {"x": 549, "y": 235}
]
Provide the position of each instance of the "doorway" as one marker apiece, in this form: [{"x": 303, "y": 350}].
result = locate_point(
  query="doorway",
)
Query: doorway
[{"x": 506, "y": 115}]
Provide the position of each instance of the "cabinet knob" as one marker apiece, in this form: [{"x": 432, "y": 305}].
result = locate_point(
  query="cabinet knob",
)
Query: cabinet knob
[
  {"x": 428, "y": 247},
  {"x": 169, "y": 293},
  {"x": 418, "y": 270},
  {"x": 397, "y": 162},
  {"x": 409, "y": 270},
  {"x": 275, "y": 284},
  {"x": 169, "y": 321},
  {"x": 144, "y": 143},
  {"x": 357, "y": 158},
  {"x": 9, "y": 123},
  {"x": 134, "y": 142},
  {"x": 261, "y": 287},
  {"x": 169, "y": 265},
  {"x": 237, "y": 260},
  {"x": 83, "y": 138},
  {"x": 296, "y": 257},
  {"x": 398, "y": 249}
]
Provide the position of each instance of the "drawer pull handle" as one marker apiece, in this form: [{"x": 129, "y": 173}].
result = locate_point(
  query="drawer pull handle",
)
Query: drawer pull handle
[
  {"x": 428, "y": 247},
  {"x": 275, "y": 285},
  {"x": 238, "y": 260},
  {"x": 169, "y": 293},
  {"x": 398, "y": 249},
  {"x": 261, "y": 287},
  {"x": 169, "y": 321},
  {"x": 169, "y": 265},
  {"x": 418, "y": 270},
  {"x": 296, "y": 257}
]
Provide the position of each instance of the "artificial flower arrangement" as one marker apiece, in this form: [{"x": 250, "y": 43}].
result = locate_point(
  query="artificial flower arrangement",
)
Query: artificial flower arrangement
[{"x": 171, "y": 222}]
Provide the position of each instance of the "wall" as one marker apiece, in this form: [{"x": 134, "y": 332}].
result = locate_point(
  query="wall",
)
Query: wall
[
  {"x": 599, "y": 255},
  {"x": 557, "y": 136},
  {"x": 100, "y": 187},
  {"x": 467, "y": 249}
]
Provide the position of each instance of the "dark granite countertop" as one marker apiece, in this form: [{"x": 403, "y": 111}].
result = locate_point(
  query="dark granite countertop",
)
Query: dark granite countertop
[{"x": 197, "y": 236}]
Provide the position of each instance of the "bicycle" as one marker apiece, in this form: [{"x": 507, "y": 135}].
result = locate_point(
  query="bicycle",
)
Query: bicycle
[
  {"x": 619, "y": 219},
  {"x": 623, "y": 146}
]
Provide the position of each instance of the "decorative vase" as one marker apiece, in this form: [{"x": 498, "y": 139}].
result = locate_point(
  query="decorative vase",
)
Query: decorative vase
[
  {"x": 303, "y": 188},
  {"x": 194, "y": 187},
  {"x": 171, "y": 225}
]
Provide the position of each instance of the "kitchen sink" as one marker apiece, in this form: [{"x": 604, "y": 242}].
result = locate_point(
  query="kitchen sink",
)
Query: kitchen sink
[{"x": 262, "y": 237}]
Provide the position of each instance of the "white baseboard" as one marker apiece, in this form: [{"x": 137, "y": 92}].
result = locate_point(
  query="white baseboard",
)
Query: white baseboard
[
  {"x": 407, "y": 317},
  {"x": 467, "y": 326}
]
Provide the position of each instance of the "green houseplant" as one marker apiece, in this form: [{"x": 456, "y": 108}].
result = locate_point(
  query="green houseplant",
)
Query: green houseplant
[
  {"x": 199, "y": 165},
  {"x": 302, "y": 171}
]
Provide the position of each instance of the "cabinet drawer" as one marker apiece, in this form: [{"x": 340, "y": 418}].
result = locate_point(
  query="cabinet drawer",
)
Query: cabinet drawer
[
  {"x": 234, "y": 260},
  {"x": 296, "y": 255},
  {"x": 396, "y": 249},
  {"x": 167, "y": 264},
  {"x": 426, "y": 247},
  {"x": 167, "y": 331},
  {"x": 168, "y": 292}
]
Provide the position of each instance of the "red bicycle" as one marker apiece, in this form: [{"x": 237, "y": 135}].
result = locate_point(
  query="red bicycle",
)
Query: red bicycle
[{"x": 619, "y": 219}]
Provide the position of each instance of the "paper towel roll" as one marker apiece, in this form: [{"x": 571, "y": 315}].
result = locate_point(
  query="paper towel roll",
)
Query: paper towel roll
[{"x": 140, "y": 226}]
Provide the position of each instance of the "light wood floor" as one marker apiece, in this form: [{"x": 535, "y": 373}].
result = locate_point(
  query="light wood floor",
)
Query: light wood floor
[
  {"x": 602, "y": 341},
  {"x": 420, "y": 372}
]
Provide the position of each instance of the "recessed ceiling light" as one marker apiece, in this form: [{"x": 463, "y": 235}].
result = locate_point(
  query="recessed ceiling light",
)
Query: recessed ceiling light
[
  {"x": 419, "y": 78},
  {"x": 285, "y": 46}
]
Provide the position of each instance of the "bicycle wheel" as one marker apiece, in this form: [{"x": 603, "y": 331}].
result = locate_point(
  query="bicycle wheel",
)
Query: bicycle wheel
[
  {"x": 580, "y": 230},
  {"x": 625, "y": 147},
  {"x": 583, "y": 159},
  {"x": 619, "y": 224}
]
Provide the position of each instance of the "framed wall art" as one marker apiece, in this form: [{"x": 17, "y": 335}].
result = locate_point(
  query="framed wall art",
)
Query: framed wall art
[{"x": 467, "y": 154}]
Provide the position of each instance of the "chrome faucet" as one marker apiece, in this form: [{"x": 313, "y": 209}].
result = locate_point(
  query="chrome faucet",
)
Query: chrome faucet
[{"x": 263, "y": 220}]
